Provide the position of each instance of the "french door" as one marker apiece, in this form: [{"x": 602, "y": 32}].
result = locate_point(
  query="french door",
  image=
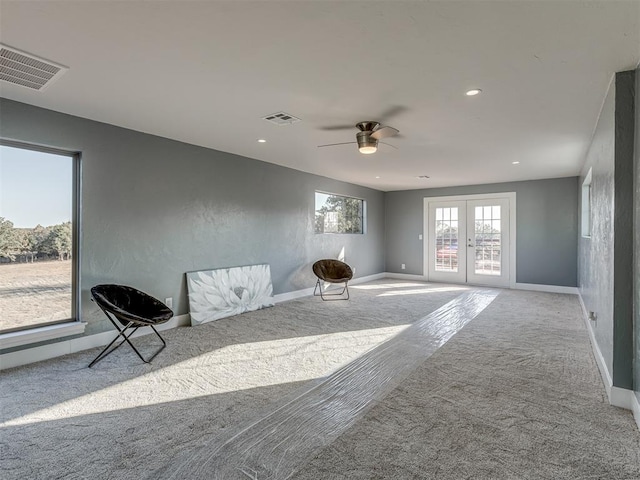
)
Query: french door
[{"x": 468, "y": 241}]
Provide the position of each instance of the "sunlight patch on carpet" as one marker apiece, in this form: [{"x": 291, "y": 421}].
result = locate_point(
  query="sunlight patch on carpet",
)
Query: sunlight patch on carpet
[
  {"x": 422, "y": 291},
  {"x": 228, "y": 369}
]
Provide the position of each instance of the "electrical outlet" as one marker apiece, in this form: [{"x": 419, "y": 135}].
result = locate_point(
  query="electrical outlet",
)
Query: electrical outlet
[
  {"x": 402, "y": 266},
  {"x": 420, "y": 237},
  {"x": 169, "y": 302}
]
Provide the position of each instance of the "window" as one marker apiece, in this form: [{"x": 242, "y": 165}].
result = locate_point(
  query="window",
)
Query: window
[
  {"x": 38, "y": 236},
  {"x": 338, "y": 214},
  {"x": 585, "y": 216}
]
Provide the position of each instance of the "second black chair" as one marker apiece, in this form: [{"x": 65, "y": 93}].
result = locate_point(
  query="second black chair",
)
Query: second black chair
[
  {"x": 130, "y": 308},
  {"x": 329, "y": 270}
]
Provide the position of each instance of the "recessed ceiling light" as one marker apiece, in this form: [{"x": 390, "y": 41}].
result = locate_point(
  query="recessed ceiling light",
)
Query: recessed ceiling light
[
  {"x": 262, "y": 140},
  {"x": 377, "y": 176},
  {"x": 472, "y": 92},
  {"x": 515, "y": 163}
]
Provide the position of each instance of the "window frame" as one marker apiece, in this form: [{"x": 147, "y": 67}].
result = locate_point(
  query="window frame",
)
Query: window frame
[
  {"x": 363, "y": 219},
  {"x": 585, "y": 210},
  {"x": 76, "y": 216}
]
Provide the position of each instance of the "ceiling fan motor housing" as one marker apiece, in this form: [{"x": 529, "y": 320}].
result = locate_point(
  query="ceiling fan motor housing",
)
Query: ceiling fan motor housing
[
  {"x": 364, "y": 140},
  {"x": 368, "y": 126}
]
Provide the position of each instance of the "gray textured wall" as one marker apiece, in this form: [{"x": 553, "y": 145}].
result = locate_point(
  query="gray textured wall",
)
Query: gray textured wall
[
  {"x": 636, "y": 229},
  {"x": 546, "y": 228},
  {"x": 605, "y": 272},
  {"x": 153, "y": 209},
  {"x": 595, "y": 265}
]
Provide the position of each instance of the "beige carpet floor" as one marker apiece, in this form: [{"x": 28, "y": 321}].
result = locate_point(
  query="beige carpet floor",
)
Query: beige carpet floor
[{"x": 514, "y": 394}]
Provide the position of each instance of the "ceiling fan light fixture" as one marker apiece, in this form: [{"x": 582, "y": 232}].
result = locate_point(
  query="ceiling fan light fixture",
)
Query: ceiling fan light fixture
[
  {"x": 366, "y": 144},
  {"x": 368, "y": 136},
  {"x": 367, "y": 150}
]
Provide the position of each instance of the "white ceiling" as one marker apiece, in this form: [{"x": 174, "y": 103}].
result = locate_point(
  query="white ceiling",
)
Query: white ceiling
[{"x": 207, "y": 72}]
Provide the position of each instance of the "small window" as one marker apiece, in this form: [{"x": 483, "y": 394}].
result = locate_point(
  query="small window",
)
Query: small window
[
  {"x": 38, "y": 236},
  {"x": 338, "y": 214},
  {"x": 585, "y": 217}
]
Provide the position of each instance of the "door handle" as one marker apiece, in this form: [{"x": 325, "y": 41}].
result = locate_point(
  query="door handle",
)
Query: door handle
[{"x": 471, "y": 246}]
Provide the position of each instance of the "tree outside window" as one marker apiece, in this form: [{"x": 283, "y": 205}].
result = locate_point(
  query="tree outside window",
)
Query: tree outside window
[{"x": 338, "y": 214}]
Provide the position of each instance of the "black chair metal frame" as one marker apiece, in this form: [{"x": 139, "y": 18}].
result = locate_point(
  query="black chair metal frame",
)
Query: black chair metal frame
[
  {"x": 323, "y": 278},
  {"x": 129, "y": 321},
  {"x": 323, "y": 295}
]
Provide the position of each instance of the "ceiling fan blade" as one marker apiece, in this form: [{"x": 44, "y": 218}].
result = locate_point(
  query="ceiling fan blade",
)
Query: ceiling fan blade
[
  {"x": 338, "y": 127},
  {"x": 384, "y": 132},
  {"x": 334, "y": 144},
  {"x": 392, "y": 112}
]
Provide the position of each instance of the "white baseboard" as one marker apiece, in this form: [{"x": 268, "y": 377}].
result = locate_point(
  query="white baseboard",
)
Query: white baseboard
[
  {"x": 602, "y": 366},
  {"x": 546, "y": 288},
  {"x": 406, "y": 276},
  {"x": 621, "y": 397},
  {"x": 518, "y": 286},
  {"x": 635, "y": 407},
  {"x": 45, "y": 352},
  {"x": 368, "y": 278},
  {"x": 283, "y": 297},
  {"x": 618, "y": 397}
]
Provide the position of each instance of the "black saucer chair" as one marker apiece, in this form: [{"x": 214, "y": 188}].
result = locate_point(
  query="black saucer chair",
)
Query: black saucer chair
[
  {"x": 329, "y": 270},
  {"x": 132, "y": 309}
]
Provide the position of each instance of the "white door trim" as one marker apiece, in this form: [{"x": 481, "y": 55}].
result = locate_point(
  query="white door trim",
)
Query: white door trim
[{"x": 510, "y": 196}]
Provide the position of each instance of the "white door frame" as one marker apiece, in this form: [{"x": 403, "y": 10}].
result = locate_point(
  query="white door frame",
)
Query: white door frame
[{"x": 509, "y": 196}]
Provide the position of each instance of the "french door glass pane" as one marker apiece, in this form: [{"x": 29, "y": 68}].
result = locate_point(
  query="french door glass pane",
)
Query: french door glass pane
[
  {"x": 488, "y": 246},
  {"x": 446, "y": 239}
]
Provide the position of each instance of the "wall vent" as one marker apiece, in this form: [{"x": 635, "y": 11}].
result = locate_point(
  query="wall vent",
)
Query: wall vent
[
  {"x": 281, "y": 118},
  {"x": 26, "y": 70}
]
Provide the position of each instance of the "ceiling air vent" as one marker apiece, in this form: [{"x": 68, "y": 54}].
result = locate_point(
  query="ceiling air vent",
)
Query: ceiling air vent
[
  {"x": 281, "y": 118},
  {"x": 424, "y": 177},
  {"x": 26, "y": 70}
]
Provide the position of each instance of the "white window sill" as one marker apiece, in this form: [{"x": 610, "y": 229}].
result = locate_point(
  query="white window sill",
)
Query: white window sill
[{"x": 40, "y": 334}]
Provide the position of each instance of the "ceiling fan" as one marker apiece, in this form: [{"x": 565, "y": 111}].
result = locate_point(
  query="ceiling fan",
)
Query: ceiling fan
[{"x": 368, "y": 136}]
